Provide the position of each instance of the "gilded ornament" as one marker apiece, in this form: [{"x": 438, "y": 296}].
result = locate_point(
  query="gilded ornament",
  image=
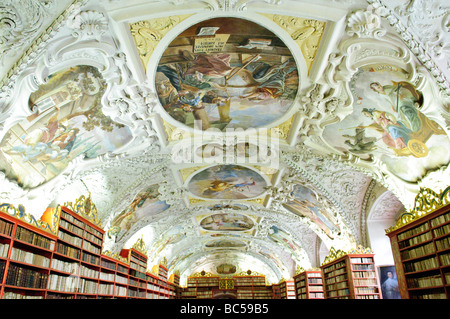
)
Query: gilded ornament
[
  {"x": 139, "y": 245},
  {"x": 147, "y": 34},
  {"x": 86, "y": 208},
  {"x": 307, "y": 33},
  {"x": 426, "y": 202},
  {"x": 19, "y": 212}
]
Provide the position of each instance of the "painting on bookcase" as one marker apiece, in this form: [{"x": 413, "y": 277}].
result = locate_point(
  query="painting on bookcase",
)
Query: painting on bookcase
[
  {"x": 388, "y": 282},
  {"x": 67, "y": 122}
]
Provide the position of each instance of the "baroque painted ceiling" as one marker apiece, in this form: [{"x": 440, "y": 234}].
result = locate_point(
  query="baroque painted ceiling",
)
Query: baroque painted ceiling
[{"x": 228, "y": 135}]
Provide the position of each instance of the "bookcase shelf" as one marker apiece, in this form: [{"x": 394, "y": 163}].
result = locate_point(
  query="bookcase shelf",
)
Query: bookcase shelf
[
  {"x": 69, "y": 264},
  {"x": 287, "y": 289},
  {"x": 421, "y": 251},
  {"x": 350, "y": 276},
  {"x": 240, "y": 287},
  {"x": 309, "y": 285}
]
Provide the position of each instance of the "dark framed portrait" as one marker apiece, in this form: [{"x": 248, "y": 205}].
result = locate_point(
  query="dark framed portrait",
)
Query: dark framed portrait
[{"x": 388, "y": 282}]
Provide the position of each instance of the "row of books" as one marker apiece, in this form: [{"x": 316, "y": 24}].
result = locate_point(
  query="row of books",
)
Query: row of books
[
  {"x": 445, "y": 259},
  {"x": 361, "y": 260},
  {"x": 365, "y": 282},
  {"x": 92, "y": 259},
  {"x": 94, "y": 231},
  {"x": 336, "y": 286},
  {"x": 107, "y": 264},
  {"x": 415, "y": 240},
  {"x": 315, "y": 288},
  {"x": 20, "y": 295},
  {"x": 335, "y": 272},
  {"x": 440, "y": 220},
  {"x": 88, "y": 272},
  {"x": 338, "y": 293},
  {"x": 418, "y": 251},
  {"x": 332, "y": 280},
  {"x": 429, "y": 296},
  {"x": 363, "y": 267},
  {"x": 32, "y": 238},
  {"x": 441, "y": 230},
  {"x": 431, "y": 281},
  {"x": 68, "y": 238},
  {"x": 6, "y": 228},
  {"x": 107, "y": 276},
  {"x": 91, "y": 247},
  {"x": 312, "y": 295},
  {"x": 27, "y": 278},
  {"x": 413, "y": 231},
  {"x": 443, "y": 243},
  {"x": 71, "y": 227},
  {"x": 366, "y": 290},
  {"x": 29, "y": 258},
  {"x": 368, "y": 296},
  {"x": 88, "y": 286},
  {"x": 315, "y": 280},
  {"x": 65, "y": 266},
  {"x": 63, "y": 283},
  {"x": 68, "y": 251},
  {"x": 363, "y": 274},
  {"x": 208, "y": 282},
  {"x": 421, "y": 265},
  {"x": 72, "y": 219},
  {"x": 4, "y": 247},
  {"x": 334, "y": 266}
]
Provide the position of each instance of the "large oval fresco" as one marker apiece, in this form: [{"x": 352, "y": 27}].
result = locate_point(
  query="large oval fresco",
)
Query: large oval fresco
[
  {"x": 390, "y": 125},
  {"x": 227, "y": 182},
  {"x": 226, "y": 73},
  {"x": 227, "y": 222},
  {"x": 67, "y": 122}
]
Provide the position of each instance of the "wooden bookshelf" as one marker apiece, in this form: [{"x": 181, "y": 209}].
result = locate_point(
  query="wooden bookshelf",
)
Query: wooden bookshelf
[
  {"x": 309, "y": 285},
  {"x": 287, "y": 289},
  {"x": 421, "y": 250},
  {"x": 69, "y": 263},
  {"x": 350, "y": 275},
  {"x": 25, "y": 255},
  {"x": 252, "y": 287},
  {"x": 239, "y": 287}
]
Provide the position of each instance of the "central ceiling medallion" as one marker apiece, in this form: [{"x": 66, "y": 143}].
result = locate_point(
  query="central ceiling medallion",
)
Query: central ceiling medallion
[
  {"x": 227, "y": 222},
  {"x": 227, "y": 73},
  {"x": 227, "y": 182}
]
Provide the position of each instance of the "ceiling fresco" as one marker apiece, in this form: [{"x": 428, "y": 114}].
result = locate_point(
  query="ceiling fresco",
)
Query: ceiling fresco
[
  {"x": 230, "y": 136},
  {"x": 390, "y": 124},
  {"x": 67, "y": 122},
  {"x": 227, "y": 182},
  {"x": 226, "y": 73}
]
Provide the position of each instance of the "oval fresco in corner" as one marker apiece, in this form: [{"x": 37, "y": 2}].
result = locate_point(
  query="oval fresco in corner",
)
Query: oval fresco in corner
[
  {"x": 67, "y": 122},
  {"x": 387, "y": 122},
  {"x": 226, "y": 73},
  {"x": 227, "y": 222},
  {"x": 227, "y": 182}
]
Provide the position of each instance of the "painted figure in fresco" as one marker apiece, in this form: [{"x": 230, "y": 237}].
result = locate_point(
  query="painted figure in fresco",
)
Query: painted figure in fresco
[
  {"x": 128, "y": 217},
  {"x": 404, "y": 99},
  {"x": 394, "y": 133},
  {"x": 227, "y": 222},
  {"x": 206, "y": 86},
  {"x": 361, "y": 142}
]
